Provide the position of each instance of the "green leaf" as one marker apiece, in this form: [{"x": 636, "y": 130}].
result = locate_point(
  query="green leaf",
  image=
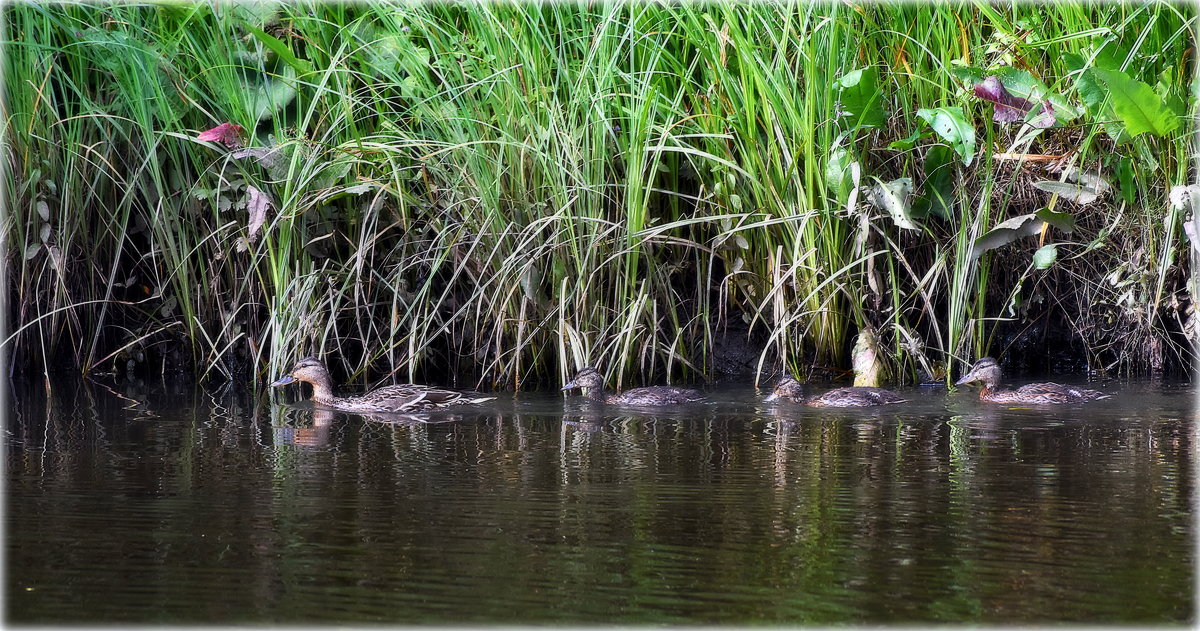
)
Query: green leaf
[
  {"x": 861, "y": 99},
  {"x": 1088, "y": 189},
  {"x": 904, "y": 144},
  {"x": 1074, "y": 62},
  {"x": 267, "y": 95},
  {"x": 938, "y": 197},
  {"x": 1062, "y": 221},
  {"x": 270, "y": 41},
  {"x": 1045, "y": 256},
  {"x": 839, "y": 174},
  {"x": 1125, "y": 177},
  {"x": 951, "y": 125},
  {"x": 968, "y": 75},
  {"x": 1019, "y": 227},
  {"x": 1095, "y": 99},
  {"x": 1136, "y": 104}
]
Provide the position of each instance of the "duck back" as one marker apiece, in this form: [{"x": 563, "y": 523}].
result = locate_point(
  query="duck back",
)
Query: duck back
[
  {"x": 1044, "y": 393},
  {"x": 855, "y": 397},
  {"x": 655, "y": 395},
  {"x": 404, "y": 398}
]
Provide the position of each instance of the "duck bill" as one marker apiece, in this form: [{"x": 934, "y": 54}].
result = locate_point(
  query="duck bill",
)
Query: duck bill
[
  {"x": 570, "y": 386},
  {"x": 283, "y": 381},
  {"x": 966, "y": 379},
  {"x": 771, "y": 397}
]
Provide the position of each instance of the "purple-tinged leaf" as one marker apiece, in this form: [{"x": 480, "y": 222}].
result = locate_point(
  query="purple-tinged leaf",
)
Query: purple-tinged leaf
[
  {"x": 1047, "y": 119},
  {"x": 1009, "y": 107}
]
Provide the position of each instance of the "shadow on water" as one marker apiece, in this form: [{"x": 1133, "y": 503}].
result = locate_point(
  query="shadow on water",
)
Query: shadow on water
[{"x": 162, "y": 504}]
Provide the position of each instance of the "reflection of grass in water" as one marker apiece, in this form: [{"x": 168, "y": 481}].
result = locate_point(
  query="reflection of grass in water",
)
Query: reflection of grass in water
[{"x": 504, "y": 193}]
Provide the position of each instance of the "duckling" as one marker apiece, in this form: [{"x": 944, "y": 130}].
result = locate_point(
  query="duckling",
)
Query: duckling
[
  {"x": 987, "y": 372},
  {"x": 592, "y": 383},
  {"x": 849, "y": 397},
  {"x": 399, "y": 398}
]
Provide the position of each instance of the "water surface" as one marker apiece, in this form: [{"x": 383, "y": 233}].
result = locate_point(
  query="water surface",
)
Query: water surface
[{"x": 156, "y": 504}]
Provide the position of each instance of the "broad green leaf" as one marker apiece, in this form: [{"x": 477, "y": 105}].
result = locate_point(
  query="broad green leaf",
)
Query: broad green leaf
[
  {"x": 1021, "y": 226},
  {"x": 1045, "y": 256},
  {"x": 255, "y": 12},
  {"x": 1090, "y": 91},
  {"x": 1021, "y": 83},
  {"x": 1095, "y": 99},
  {"x": 938, "y": 195},
  {"x": 266, "y": 96},
  {"x": 968, "y": 75},
  {"x": 270, "y": 41},
  {"x": 1110, "y": 55},
  {"x": 1062, "y": 221},
  {"x": 1166, "y": 89},
  {"x": 839, "y": 175},
  {"x": 904, "y": 144},
  {"x": 951, "y": 125},
  {"x": 1136, "y": 104},
  {"x": 1074, "y": 62},
  {"x": 861, "y": 99}
]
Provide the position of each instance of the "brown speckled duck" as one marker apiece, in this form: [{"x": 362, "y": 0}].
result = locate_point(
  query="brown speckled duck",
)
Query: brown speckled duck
[
  {"x": 399, "y": 398},
  {"x": 592, "y": 383},
  {"x": 986, "y": 372},
  {"x": 849, "y": 397}
]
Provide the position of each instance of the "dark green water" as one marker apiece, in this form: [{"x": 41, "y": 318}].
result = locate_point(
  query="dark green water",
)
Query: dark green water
[{"x": 185, "y": 507}]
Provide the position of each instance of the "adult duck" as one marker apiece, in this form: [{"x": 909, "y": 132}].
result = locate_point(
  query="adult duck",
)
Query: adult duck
[
  {"x": 592, "y": 383},
  {"x": 986, "y": 372},
  {"x": 850, "y": 397},
  {"x": 399, "y": 398}
]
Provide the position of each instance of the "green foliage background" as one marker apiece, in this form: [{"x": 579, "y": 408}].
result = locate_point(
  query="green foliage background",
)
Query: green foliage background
[{"x": 496, "y": 193}]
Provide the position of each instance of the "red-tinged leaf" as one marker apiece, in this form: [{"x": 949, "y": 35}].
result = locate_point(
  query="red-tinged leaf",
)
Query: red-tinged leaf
[{"x": 228, "y": 134}]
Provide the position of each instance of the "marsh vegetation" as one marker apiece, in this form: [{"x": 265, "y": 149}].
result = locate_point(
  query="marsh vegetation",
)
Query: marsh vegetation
[{"x": 493, "y": 195}]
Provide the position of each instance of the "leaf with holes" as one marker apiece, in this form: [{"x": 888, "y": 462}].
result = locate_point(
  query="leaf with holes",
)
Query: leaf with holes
[
  {"x": 951, "y": 125},
  {"x": 893, "y": 197}
]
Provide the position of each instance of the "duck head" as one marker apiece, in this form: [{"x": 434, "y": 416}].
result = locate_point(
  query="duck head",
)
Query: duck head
[
  {"x": 585, "y": 379},
  {"x": 986, "y": 371},
  {"x": 786, "y": 388},
  {"x": 310, "y": 370}
]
